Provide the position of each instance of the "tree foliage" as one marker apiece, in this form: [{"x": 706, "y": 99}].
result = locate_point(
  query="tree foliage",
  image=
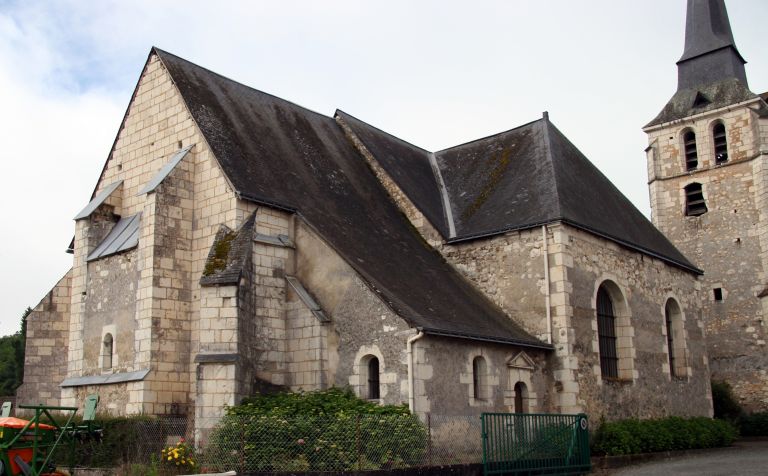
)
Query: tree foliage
[{"x": 12, "y": 358}]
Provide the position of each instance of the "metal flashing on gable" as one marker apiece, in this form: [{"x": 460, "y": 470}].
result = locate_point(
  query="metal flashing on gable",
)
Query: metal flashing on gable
[
  {"x": 307, "y": 299},
  {"x": 98, "y": 200},
  {"x": 279, "y": 240},
  {"x": 105, "y": 379},
  {"x": 164, "y": 171},
  {"x": 124, "y": 236}
]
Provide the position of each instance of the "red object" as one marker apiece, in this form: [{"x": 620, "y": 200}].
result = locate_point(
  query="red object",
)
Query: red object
[
  {"x": 25, "y": 454},
  {"x": 18, "y": 423}
]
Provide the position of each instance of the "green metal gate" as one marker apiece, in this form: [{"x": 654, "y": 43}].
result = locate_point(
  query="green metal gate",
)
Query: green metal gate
[{"x": 529, "y": 443}]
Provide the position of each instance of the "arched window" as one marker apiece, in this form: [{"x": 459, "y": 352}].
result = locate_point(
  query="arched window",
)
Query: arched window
[
  {"x": 106, "y": 354},
  {"x": 606, "y": 331},
  {"x": 373, "y": 379},
  {"x": 694, "y": 200},
  {"x": 689, "y": 147},
  {"x": 521, "y": 398},
  {"x": 673, "y": 320},
  {"x": 479, "y": 378},
  {"x": 721, "y": 143}
]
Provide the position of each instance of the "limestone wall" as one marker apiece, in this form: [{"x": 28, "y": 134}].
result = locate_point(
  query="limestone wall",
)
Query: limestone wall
[
  {"x": 179, "y": 221},
  {"x": 110, "y": 308},
  {"x": 444, "y": 377},
  {"x": 45, "y": 364},
  {"x": 647, "y": 388},
  {"x": 361, "y": 324}
]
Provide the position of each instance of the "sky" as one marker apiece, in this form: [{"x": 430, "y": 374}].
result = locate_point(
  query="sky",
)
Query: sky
[{"x": 434, "y": 73}]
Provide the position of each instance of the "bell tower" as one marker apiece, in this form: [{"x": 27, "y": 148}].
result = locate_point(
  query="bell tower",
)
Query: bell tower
[{"x": 708, "y": 181}]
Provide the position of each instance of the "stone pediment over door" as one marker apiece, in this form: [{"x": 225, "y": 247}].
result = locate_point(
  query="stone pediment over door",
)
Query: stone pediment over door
[{"x": 521, "y": 361}]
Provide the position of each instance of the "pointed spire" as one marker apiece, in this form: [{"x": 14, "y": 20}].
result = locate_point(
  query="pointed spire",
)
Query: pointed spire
[{"x": 710, "y": 53}]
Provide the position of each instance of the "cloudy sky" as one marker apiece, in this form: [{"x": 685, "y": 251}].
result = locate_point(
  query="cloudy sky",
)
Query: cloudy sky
[{"x": 435, "y": 73}]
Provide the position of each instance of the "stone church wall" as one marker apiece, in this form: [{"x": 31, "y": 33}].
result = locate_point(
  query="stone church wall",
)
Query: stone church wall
[
  {"x": 45, "y": 364},
  {"x": 648, "y": 389}
]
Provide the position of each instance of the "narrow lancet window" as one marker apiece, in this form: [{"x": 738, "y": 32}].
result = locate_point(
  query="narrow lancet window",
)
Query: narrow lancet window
[{"x": 106, "y": 356}]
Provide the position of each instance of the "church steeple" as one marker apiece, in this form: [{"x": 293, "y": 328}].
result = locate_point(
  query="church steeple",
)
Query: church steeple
[{"x": 710, "y": 53}]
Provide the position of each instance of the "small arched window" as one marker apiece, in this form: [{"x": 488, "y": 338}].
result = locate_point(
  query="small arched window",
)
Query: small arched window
[
  {"x": 689, "y": 147},
  {"x": 373, "y": 379},
  {"x": 721, "y": 143},
  {"x": 479, "y": 378},
  {"x": 521, "y": 398},
  {"x": 106, "y": 355},
  {"x": 606, "y": 331},
  {"x": 694, "y": 200}
]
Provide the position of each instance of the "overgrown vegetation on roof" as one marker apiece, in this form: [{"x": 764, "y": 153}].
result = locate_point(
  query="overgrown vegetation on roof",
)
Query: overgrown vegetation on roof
[{"x": 218, "y": 261}]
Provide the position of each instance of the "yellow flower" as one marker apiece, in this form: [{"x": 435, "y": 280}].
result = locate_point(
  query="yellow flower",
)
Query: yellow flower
[{"x": 169, "y": 458}]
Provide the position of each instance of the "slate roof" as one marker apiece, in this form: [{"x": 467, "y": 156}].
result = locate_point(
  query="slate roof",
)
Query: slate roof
[
  {"x": 717, "y": 95},
  {"x": 710, "y": 74},
  {"x": 279, "y": 154},
  {"x": 522, "y": 178}
]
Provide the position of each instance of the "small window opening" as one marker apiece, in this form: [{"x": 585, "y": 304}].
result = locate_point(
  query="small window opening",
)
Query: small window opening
[
  {"x": 694, "y": 200},
  {"x": 606, "y": 330},
  {"x": 721, "y": 143},
  {"x": 691, "y": 156},
  {"x": 373, "y": 379},
  {"x": 718, "y": 293},
  {"x": 479, "y": 378},
  {"x": 107, "y": 352},
  {"x": 670, "y": 339}
]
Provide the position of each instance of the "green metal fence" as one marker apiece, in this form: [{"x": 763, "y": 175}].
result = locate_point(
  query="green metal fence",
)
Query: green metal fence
[{"x": 527, "y": 444}]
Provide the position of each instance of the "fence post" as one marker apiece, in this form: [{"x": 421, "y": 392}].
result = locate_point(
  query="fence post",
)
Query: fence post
[
  {"x": 429, "y": 441},
  {"x": 357, "y": 441},
  {"x": 242, "y": 445}
]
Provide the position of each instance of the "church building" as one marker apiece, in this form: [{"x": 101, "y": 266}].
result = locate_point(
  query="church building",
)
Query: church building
[{"x": 237, "y": 243}]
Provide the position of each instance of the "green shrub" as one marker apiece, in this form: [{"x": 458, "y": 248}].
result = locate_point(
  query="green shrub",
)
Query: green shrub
[
  {"x": 319, "y": 431},
  {"x": 755, "y": 424},
  {"x": 673, "y": 433}
]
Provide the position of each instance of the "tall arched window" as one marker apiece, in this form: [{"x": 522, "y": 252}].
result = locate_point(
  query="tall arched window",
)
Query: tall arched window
[
  {"x": 106, "y": 355},
  {"x": 606, "y": 331},
  {"x": 479, "y": 378},
  {"x": 521, "y": 398},
  {"x": 373, "y": 379},
  {"x": 673, "y": 320},
  {"x": 721, "y": 143},
  {"x": 689, "y": 147},
  {"x": 694, "y": 200}
]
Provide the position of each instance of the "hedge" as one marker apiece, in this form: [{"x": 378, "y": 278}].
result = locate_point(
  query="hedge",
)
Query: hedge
[
  {"x": 755, "y": 424},
  {"x": 328, "y": 430},
  {"x": 666, "y": 434}
]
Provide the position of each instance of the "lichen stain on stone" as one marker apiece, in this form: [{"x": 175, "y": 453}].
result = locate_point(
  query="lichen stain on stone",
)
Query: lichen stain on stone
[
  {"x": 221, "y": 248},
  {"x": 500, "y": 164}
]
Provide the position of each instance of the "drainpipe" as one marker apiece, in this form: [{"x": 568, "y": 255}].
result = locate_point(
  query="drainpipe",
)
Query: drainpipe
[
  {"x": 547, "y": 299},
  {"x": 409, "y": 351}
]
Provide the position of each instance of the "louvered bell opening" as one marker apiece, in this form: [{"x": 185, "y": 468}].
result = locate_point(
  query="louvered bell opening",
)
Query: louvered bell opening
[
  {"x": 721, "y": 144},
  {"x": 694, "y": 201},
  {"x": 691, "y": 157}
]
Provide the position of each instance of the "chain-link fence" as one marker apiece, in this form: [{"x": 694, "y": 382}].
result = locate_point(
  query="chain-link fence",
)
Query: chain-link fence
[
  {"x": 298, "y": 444},
  {"x": 341, "y": 443}
]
